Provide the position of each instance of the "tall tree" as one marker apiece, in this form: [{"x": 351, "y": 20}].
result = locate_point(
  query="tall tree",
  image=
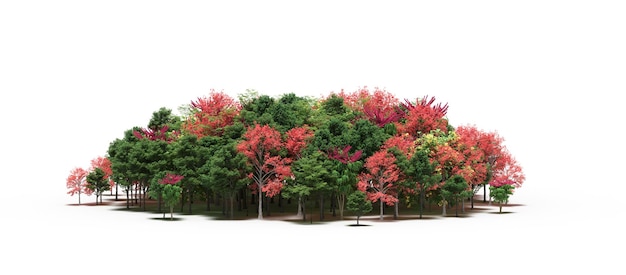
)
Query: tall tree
[
  {"x": 347, "y": 169},
  {"x": 228, "y": 172},
  {"x": 260, "y": 145},
  {"x": 77, "y": 184},
  {"x": 310, "y": 175}
]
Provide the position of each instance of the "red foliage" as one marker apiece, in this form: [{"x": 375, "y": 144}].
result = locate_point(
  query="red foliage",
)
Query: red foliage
[
  {"x": 423, "y": 117},
  {"x": 297, "y": 139},
  {"x": 378, "y": 181},
  {"x": 104, "y": 164},
  {"x": 171, "y": 179},
  {"x": 77, "y": 182},
  {"x": 212, "y": 114},
  {"x": 474, "y": 166},
  {"x": 160, "y": 134},
  {"x": 379, "y": 106},
  {"x": 405, "y": 143},
  {"x": 510, "y": 171},
  {"x": 504, "y": 167},
  {"x": 343, "y": 155},
  {"x": 259, "y": 146}
]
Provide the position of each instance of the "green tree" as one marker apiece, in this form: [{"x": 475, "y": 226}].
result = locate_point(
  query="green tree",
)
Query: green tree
[
  {"x": 501, "y": 194},
  {"x": 98, "y": 183},
  {"x": 310, "y": 175},
  {"x": 171, "y": 196},
  {"x": 420, "y": 173},
  {"x": 228, "y": 172},
  {"x": 359, "y": 204},
  {"x": 453, "y": 190}
]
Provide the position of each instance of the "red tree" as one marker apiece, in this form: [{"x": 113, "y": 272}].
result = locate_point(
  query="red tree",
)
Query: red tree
[
  {"x": 297, "y": 140},
  {"x": 504, "y": 167},
  {"x": 211, "y": 114},
  {"x": 379, "y": 106},
  {"x": 378, "y": 182},
  {"x": 423, "y": 116},
  {"x": 260, "y": 146},
  {"x": 77, "y": 183}
]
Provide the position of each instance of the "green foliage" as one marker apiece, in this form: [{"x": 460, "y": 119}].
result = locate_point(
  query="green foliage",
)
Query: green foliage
[
  {"x": 97, "y": 182},
  {"x": 164, "y": 117},
  {"x": 453, "y": 189},
  {"x": 311, "y": 174},
  {"x": 502, "y": 193},
  {"x": 359, "y": 204},
  {"x": 367, "y": 137}
]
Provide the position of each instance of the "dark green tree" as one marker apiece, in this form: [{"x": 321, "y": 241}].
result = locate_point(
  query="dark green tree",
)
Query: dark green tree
[
  {"x": 452, "y": 191},
  {"x": 359, "y": 204},
  {"x": 98, "y": 183},
  {"x": 228, "y": 172}
]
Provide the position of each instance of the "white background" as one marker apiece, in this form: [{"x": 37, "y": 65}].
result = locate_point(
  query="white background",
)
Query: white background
[{"x": 546, "y": 75}]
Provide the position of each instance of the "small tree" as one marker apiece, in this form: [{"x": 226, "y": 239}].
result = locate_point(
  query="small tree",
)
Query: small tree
[
  {"x": 500, "y": 194},
  {"x": 97, "y": 182},
  {"x": 358, "y": 202},
  {"x": 76, "y": 182},
  {"x": 171, "y": 196}
]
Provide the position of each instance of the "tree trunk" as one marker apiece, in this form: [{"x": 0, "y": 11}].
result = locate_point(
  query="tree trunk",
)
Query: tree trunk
[
  {"x": 78, "y": 196},
  {"x": 381, "y": 209},
  {"x": 260, "y": 217},
  {"x": 171, "y": 212},
  {"x": 395, "y": 211},
  {"x": 472, "y": 197},
  {"x": 190, "y": 199},
  {"x": 127, "y": 198},
  {"x": 232, "y": 207},
  {"x": 321, "y": 207},
  {"x": 357, "y": 219},
  {"x": 444, "y": 208},
  {"x": 340, "y": 202},
  {"x": 299, "y": 214},
  {"x": 421, "y": 201},
  {"x": 500, "y": 207},
  {"x": 484, "y": 193},
  {"x": 116, "y": 191}
]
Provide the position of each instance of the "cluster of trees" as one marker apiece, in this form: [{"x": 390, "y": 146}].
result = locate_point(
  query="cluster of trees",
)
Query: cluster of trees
[{"x": 345, "y": 148}]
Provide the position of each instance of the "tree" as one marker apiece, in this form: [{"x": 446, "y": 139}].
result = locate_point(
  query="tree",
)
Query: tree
[
  {"x": 97, "y": 183},
  {"x": 77, "y": 184},
  {"x": 310, "y": 174},
  {"x": 453, "y": 190},
  {"x": 211, "y": 114},
  {"x": 501, "y": 191},
  {"x": 228, "y": 172},
  {"x": 421, "y": 171},
  {"x": 347, "y": 169},
  {"x": 422, "y": 117},
  {"x": 104, "y": 164},
  {"x": 171, "y": 192},
  {"x": 359, "y": 204},
  {"x": 379, "y": 180},
  {"x": 260, "y": 145}
]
